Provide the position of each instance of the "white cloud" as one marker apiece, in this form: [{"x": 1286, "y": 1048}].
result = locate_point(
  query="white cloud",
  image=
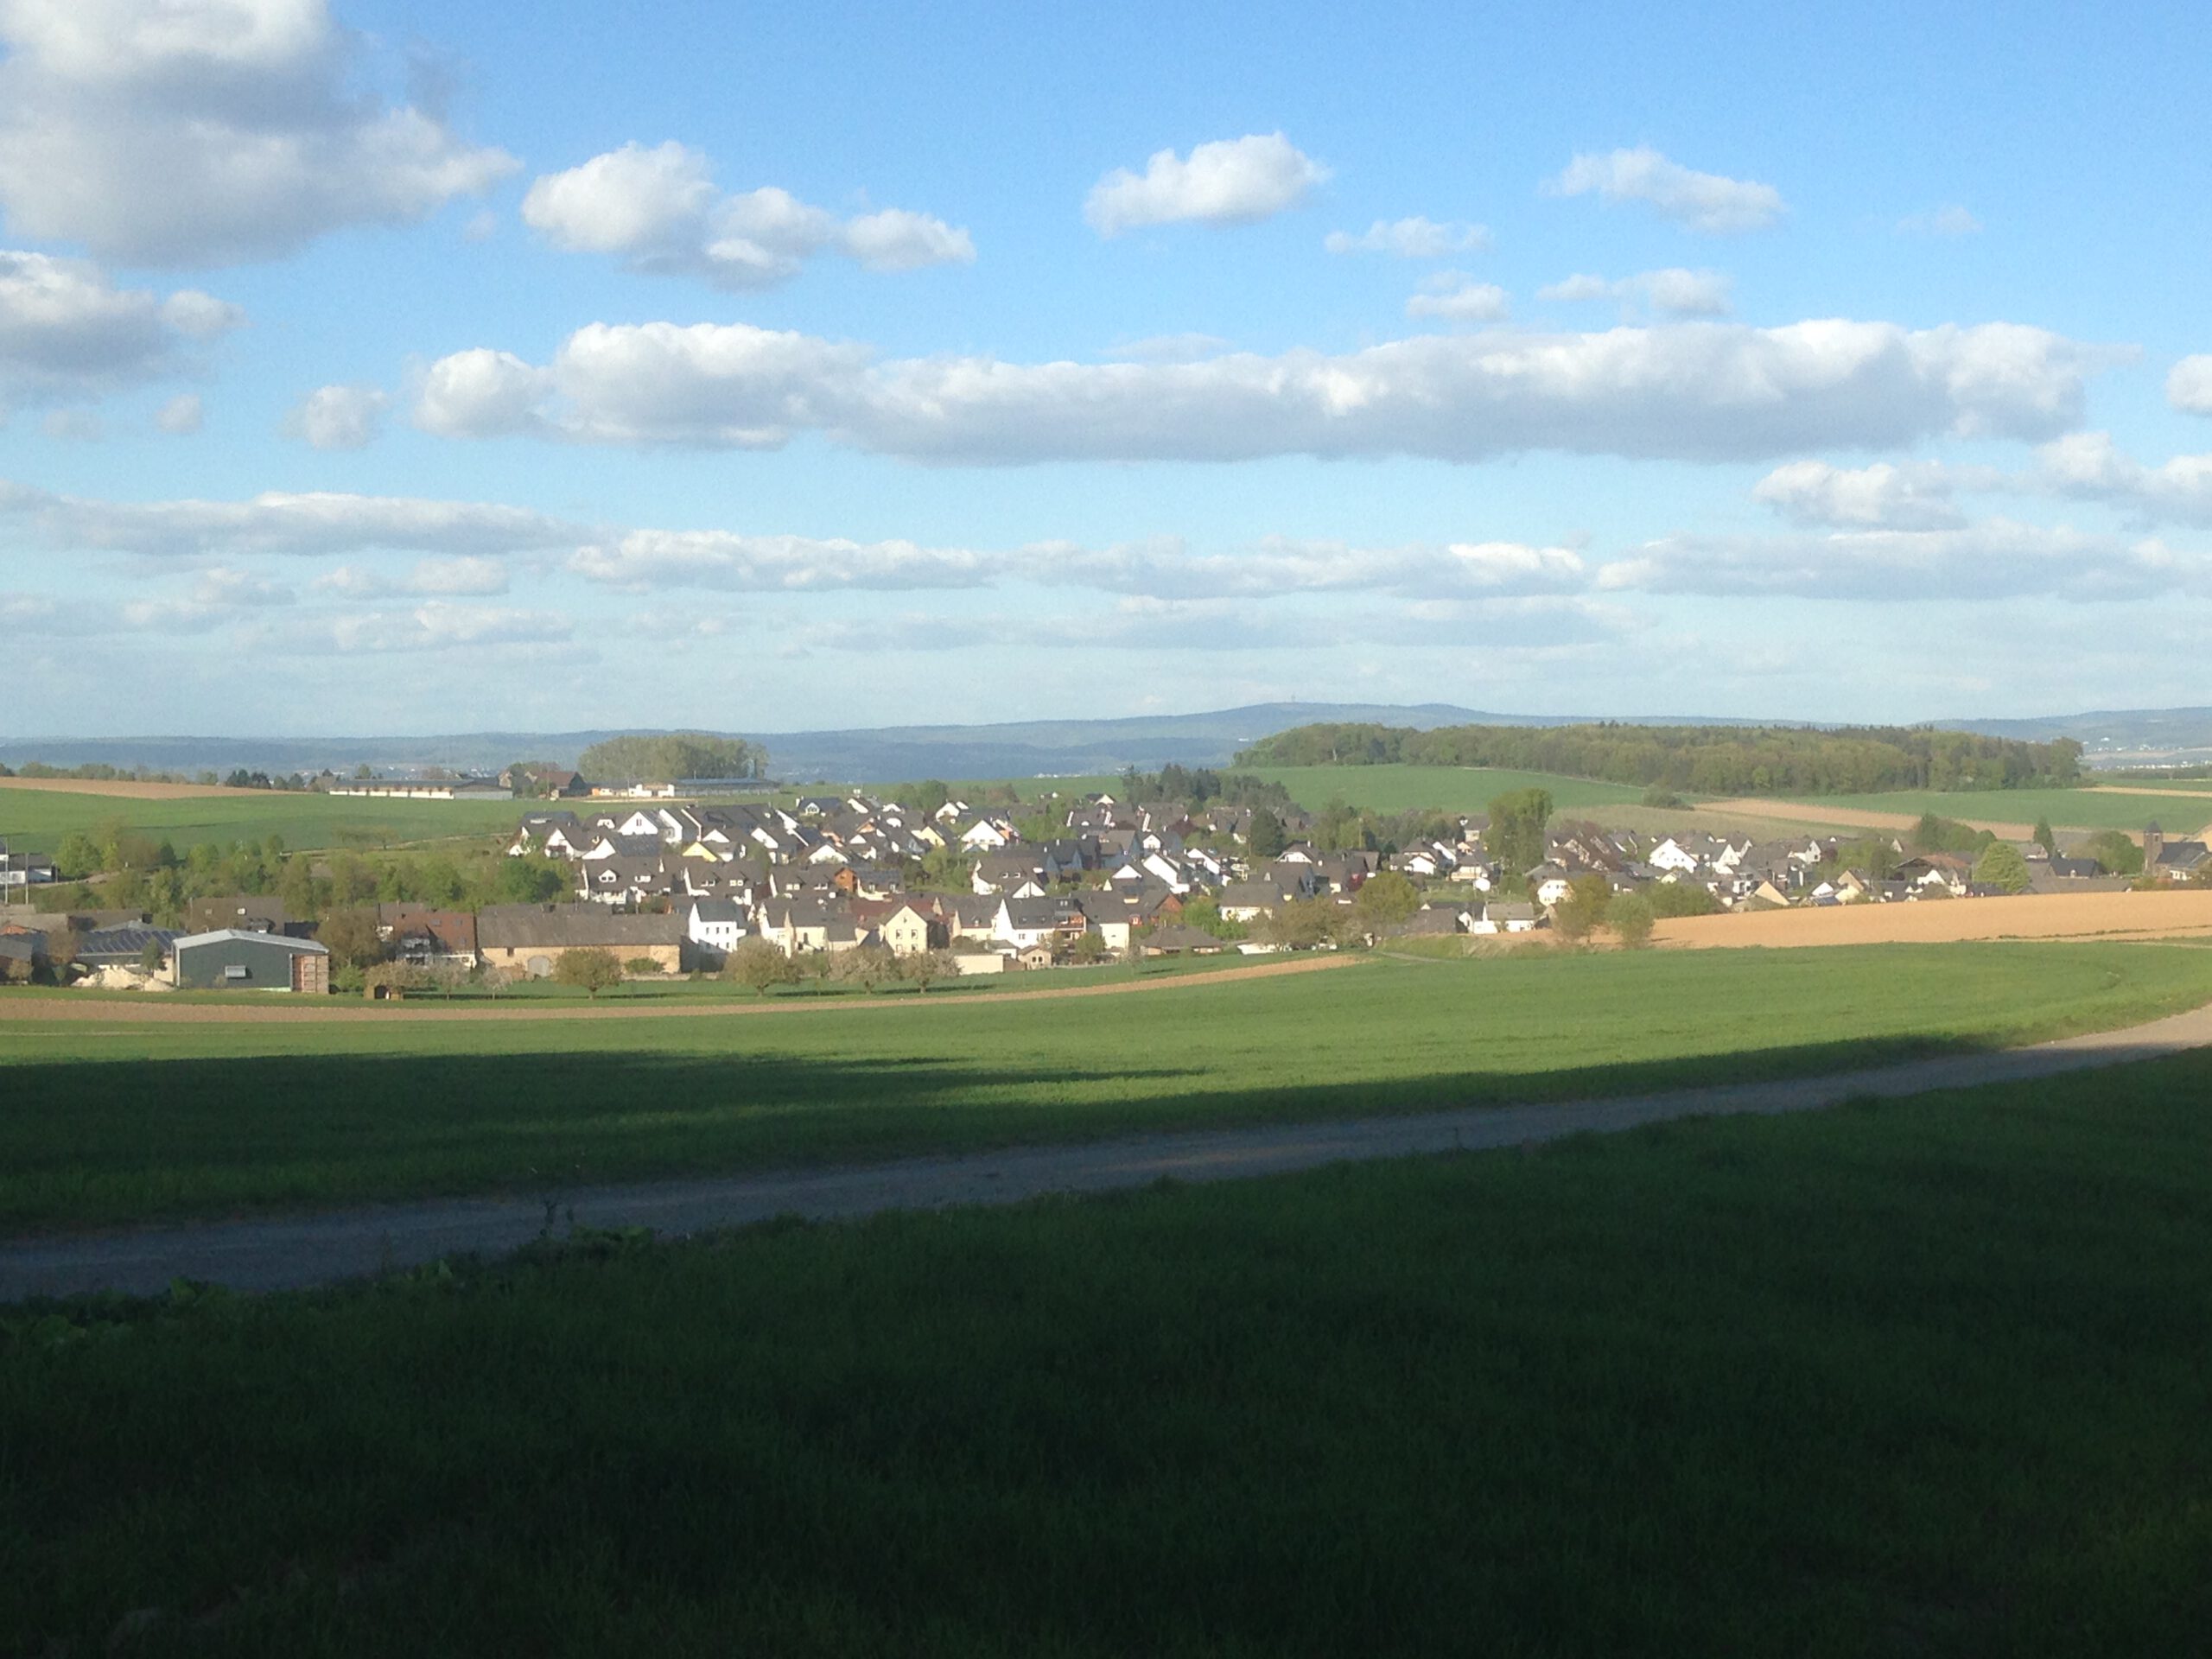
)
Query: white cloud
[
  {"x": 1951, "y": 221},
  {"x": 660, "y": 210},
  {"x": 181, "y": 416},
  {"x": 438, "y": 625},
  {"x": 2189, "y": 384},
  {"x": 331, "y": 525},
  {"x": 338, "y": 417},
  {"x": 473, "y": 577},
  {"x": 227, "y": 586},
  {"x": 2090, "y": 466},
  {"x": 1995, "y": 559},
  {"x": 1672, "y": 292},
  {"x": 1911, "y": 495},
  {"x": 1700, "y": 391},
  {"x": 1703, "y": 201},
  {"x": 1459, "y": 299},
  {"x": 65, "y": 330},
  {"x": 480, "y": 394},
  {"x": 208, "y": 132},
  {"x": 1229, "y": 181},
  {"x": 1411, "y": 239},
  {"x": 651, "y": 561}
]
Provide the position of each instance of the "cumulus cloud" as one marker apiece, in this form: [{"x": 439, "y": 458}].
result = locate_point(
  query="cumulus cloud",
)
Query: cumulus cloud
[
  {"x": 660, "y": 211},
  {"x": 181, "y": 416},
  {"x": 208, "y": 132},
  {"x": 1673, "y": 292},
  {"x": 1911, "y": 495},
  {"x": 1951, "y": 221},
  {"x": 74, "y": 426},
  {"x": 65, "y": 330},
  {"x": 1452, "y": 297},
  {"x": 2189, "y": 384},
  {"x": 472, "y": 577},
  {"x": 332, "y": 525},
  {"x": 1229, "y": 181},
  {"x": 438, "y": 625},
  {"x": 2090, "y": 466},
  {"x": 1995, "y": 559},
  {"x": 1411, "y": 239},
  {"x": 225, "y": 586},
  {"x": 338, "y": 417},
  {"x": 1703, "y": 201},
  {"x": 1701, "y": 392}
]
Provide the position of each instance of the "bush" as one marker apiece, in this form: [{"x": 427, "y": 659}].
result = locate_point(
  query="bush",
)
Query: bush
[
  {"x": 867, "y": 966},
  {"x": 641, "y": 967},
  {"x": 1588, "y": 899},
  {"x": 1660, "y": 796}
]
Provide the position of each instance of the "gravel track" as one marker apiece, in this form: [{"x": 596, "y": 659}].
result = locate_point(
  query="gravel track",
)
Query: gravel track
[{"x": 292, "y": 1252}]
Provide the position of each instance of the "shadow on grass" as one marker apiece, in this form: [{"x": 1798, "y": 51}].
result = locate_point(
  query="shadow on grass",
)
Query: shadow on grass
[{"x": 95, "y": 1143}]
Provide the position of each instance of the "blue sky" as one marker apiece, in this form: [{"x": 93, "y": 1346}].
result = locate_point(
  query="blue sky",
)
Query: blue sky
[{"x": 586, "y": 364}]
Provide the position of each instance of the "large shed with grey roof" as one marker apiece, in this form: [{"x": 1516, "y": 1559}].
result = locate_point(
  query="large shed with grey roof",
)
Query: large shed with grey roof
[{"x": 232, "y": 959}]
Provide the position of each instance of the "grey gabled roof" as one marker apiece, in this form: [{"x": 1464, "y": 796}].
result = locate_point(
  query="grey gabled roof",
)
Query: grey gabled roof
[{"x": 282, "y": 941}]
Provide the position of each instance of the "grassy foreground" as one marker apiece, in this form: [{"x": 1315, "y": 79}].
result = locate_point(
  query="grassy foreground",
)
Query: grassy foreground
[
  {"x": 1924, "y": 1378},
  {"x": 104, "y": 1123}
]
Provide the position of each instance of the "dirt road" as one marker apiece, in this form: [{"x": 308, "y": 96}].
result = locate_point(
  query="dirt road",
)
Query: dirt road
[
  {"x": 344, "y": 1244},
  {"x": 137, "y": 1008},
  {"x": 2183, "y": 913}
]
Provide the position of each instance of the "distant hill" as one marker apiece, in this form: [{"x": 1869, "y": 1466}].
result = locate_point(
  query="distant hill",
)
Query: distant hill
[
  {"x": 2115, "y": 737},
  {"x": 1015, "y": 749}
]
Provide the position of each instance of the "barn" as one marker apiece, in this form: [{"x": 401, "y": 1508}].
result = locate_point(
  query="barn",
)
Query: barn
[{"x": 232, "y": 959}]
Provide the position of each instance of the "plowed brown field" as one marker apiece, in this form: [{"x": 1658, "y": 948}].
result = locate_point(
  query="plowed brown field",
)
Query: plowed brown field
[
  {"x": 124, "y": 791},
  {"x": 1847, "y": 818},
  {"x": 2041, "y": 916}
]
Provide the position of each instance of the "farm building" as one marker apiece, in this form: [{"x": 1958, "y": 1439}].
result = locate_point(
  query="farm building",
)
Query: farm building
[
  {"x": 232, "y": 959},
  {"x": 24, "y": 869},
  {"x": 532, "y": 938}
]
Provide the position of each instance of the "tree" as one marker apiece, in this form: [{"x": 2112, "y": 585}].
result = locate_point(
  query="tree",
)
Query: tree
[
  {"x": 1672, "y": 899},
  {"x": 812, "y": 965},
  {"x": 1090, "y": 949},
  {"x": 78, "y": 857},
  {"x": 1303, "y": 923},
  {"x": 153, "y": 958},
  {"x": 1632, "y": 918},
  {"x": 2046, "y": 838},
  {"x": 1515, "y": 836},
  {"x": 760, "y": 965},
  {"x": 1386, "y": 898},
  {"x": 590, "y": 969},
  {"x": 925, "y": 968},
  {"x": 865, "y": 965},
  {"x": 351, "y": 936},
  {"x": 2115, "y": 852},
  {"x": 670, "y": 756},
  {"x": 495, "y": 979},
  {"x": 1268, "y": 837},
  {"x": 928, "y": 795},
  {"x": 2001, "y": 866},
  {"x": 1588, "y": 899},
  {"x": 395, "y": 979}
]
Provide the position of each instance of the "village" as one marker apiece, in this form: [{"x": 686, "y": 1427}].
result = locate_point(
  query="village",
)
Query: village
[{"x": 646, "y": 886}]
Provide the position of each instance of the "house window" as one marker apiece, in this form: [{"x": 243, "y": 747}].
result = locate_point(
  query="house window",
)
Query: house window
[{"x": 235, "y": 971}]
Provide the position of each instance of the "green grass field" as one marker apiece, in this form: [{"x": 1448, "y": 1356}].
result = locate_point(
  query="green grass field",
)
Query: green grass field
[
  {"x": 39, "y": 819},
  {"x": 2067, "y": 808},
  {"x": 1920, "y": 1378},
  {"x": 1450, "y": 789},
  {"x": 112, "y": 1123}
]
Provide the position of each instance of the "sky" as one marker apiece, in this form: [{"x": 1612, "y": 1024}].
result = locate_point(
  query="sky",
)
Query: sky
[{"x": 377, "y": 366}]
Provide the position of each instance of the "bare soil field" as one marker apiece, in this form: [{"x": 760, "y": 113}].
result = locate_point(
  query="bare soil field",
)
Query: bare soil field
[
  {"x": 137, "y": 1008},
  {"x": 2041, "y": 916},
  {"x": 1847, "y": 818},
  {"x": 122, "y": 790}
]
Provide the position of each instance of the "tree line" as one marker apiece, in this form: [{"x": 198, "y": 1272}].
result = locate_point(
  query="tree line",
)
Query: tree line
[
  {"x": 669, "y": 756},
  {"x": 1703, "y": 760}
]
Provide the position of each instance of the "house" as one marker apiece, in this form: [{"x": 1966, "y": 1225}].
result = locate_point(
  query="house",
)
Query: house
[
  {"x": 532, "y": 938},
  {"x": 239, "y": 959},
  {"x": 1508, "y": 918},
  {"x": 424, "y": 936},
  {"x": 911, "y": 929},
  {"x": 556, "y": 835},
  {"x": 1033, "y": 957},
  {"x": 715, "y": 925},
  {"x": 2173, "y": 860},
  {"x": 21, "y": 870},
  {"x": 1024, "y": 922}
]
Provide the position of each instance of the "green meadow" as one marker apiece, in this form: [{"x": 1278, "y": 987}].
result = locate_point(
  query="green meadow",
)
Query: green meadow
[
  {"x": 39, "y": 819},
  {"x": 107, "y": 1123},
  {"x": 2181, "y": 813},
  {"x": 1922, "y": 1377}
]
